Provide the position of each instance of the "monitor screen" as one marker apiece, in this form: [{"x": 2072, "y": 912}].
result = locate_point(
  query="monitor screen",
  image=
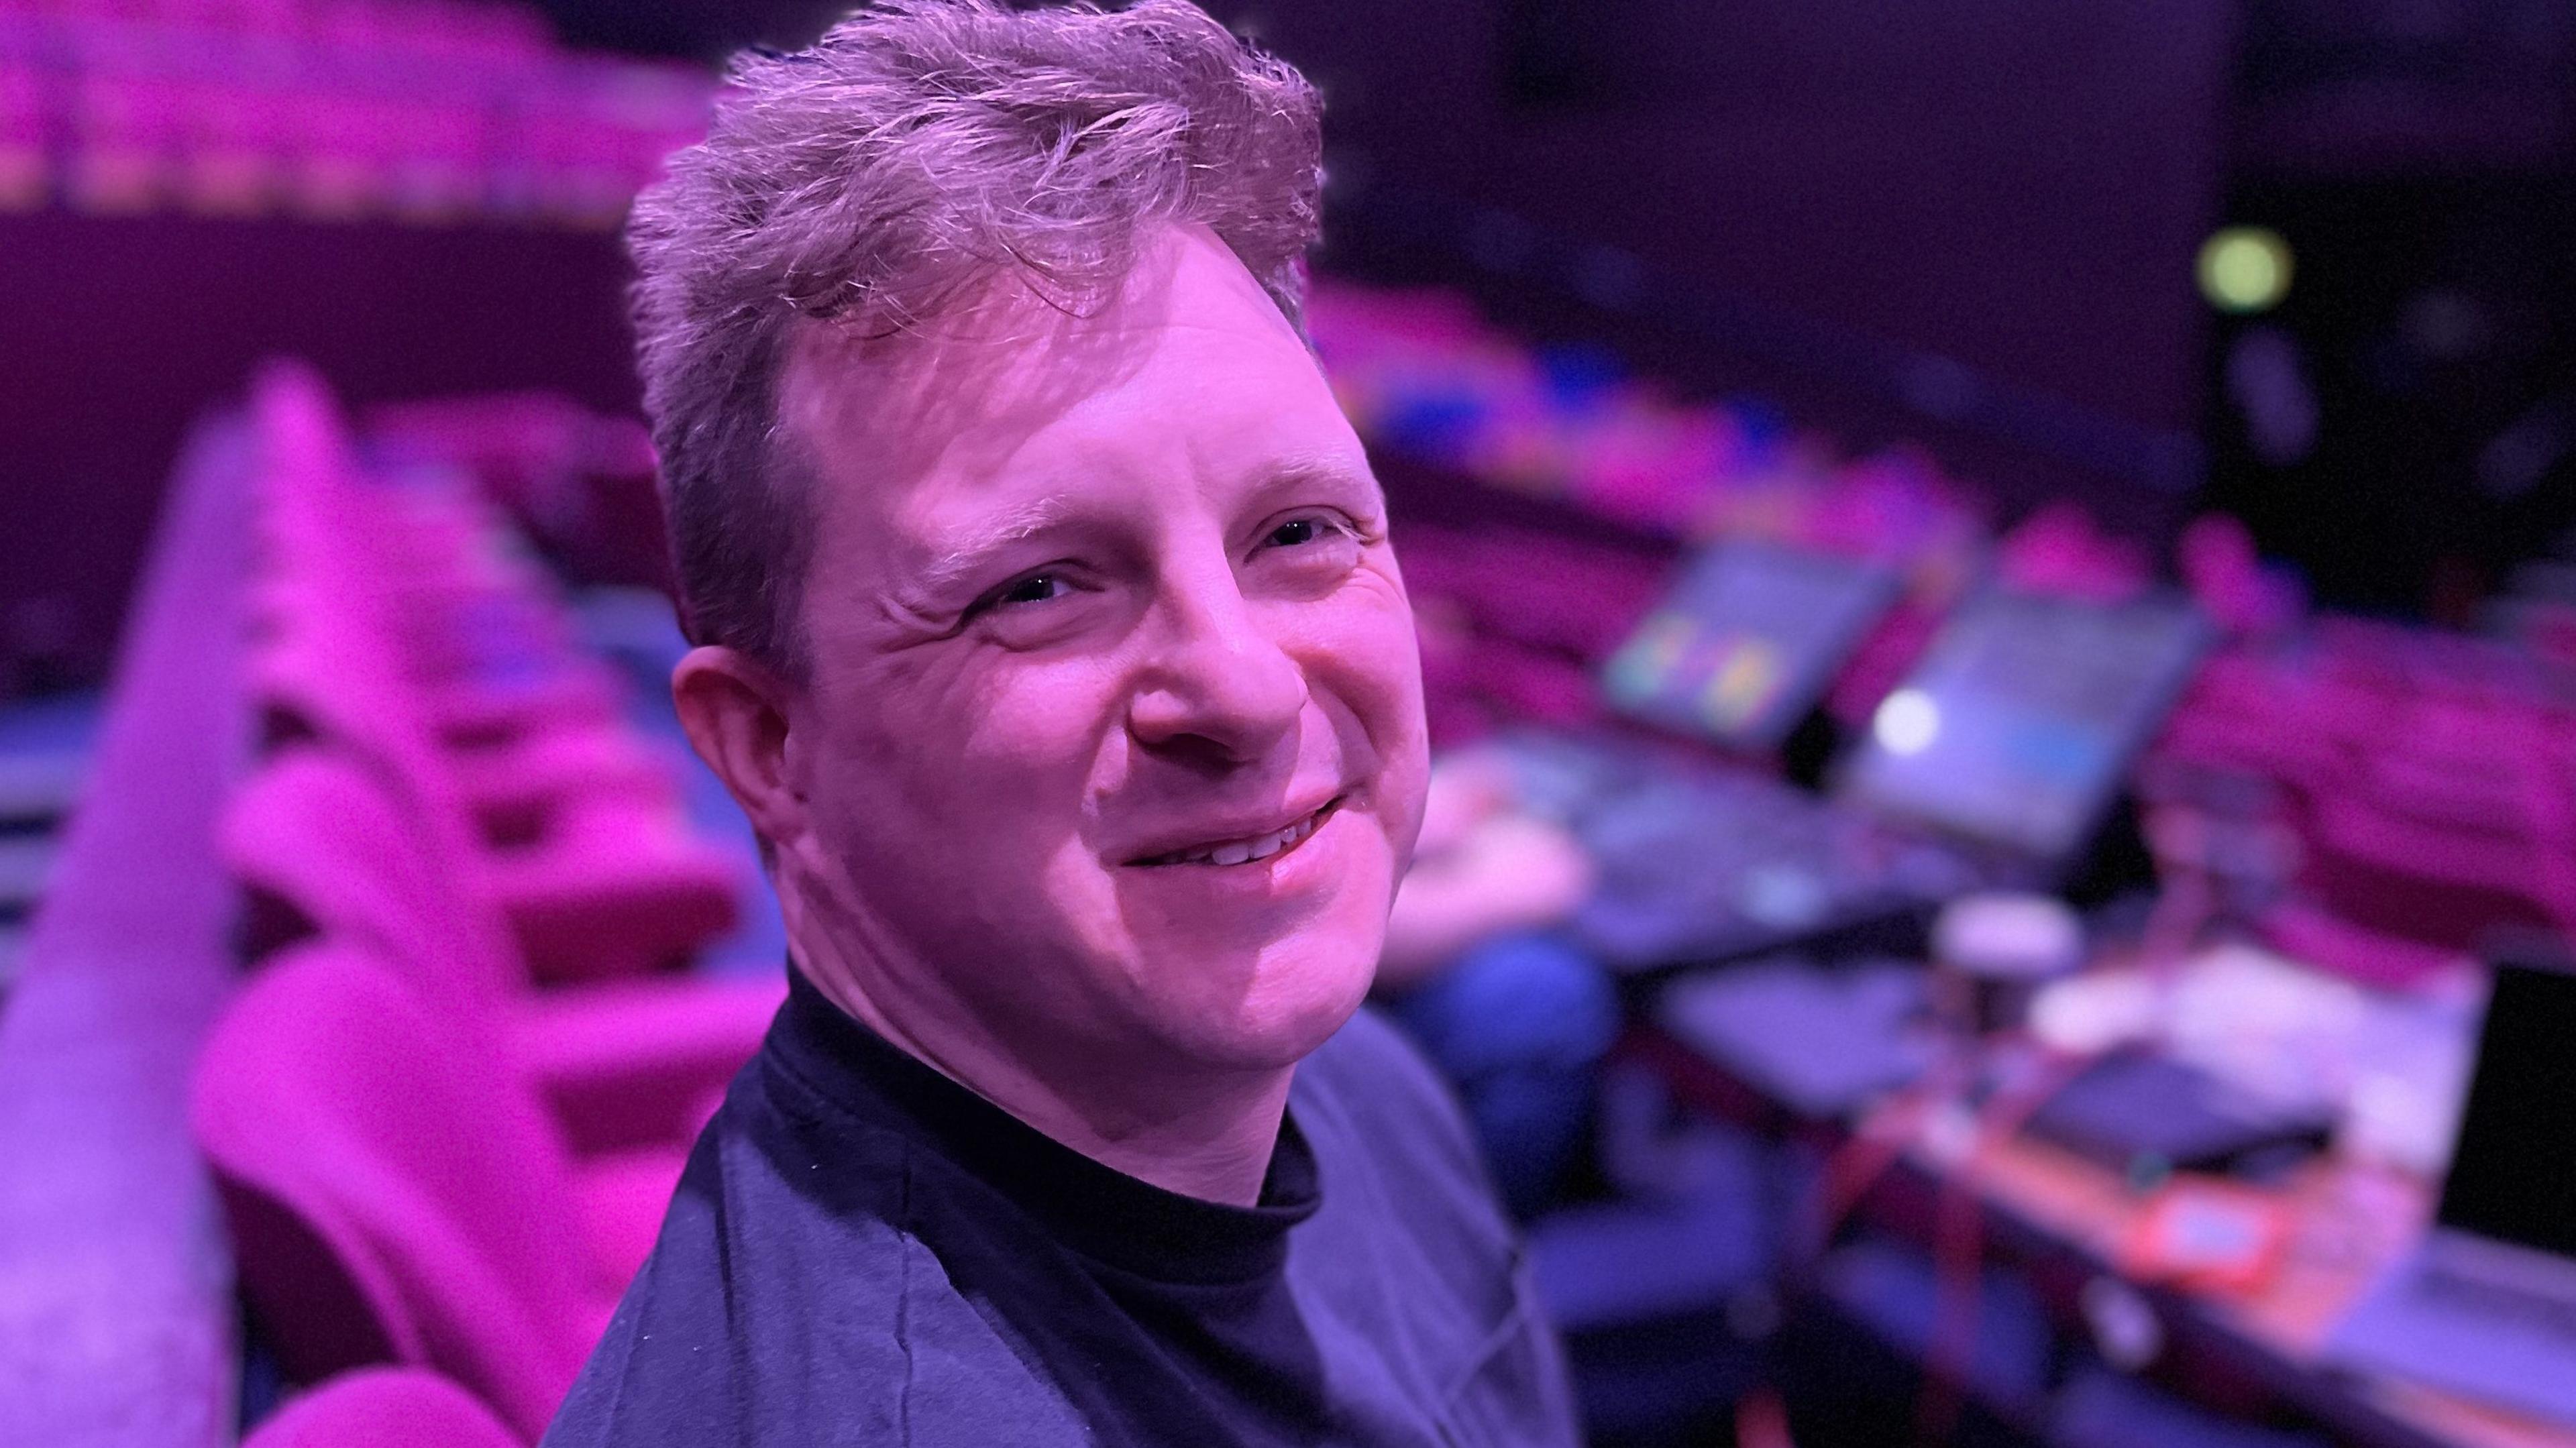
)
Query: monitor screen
[
  {"x": 2513, "y": 1173},
  {"x": 1747, "y": 642},
  {"x": 2021, "y": 717}
]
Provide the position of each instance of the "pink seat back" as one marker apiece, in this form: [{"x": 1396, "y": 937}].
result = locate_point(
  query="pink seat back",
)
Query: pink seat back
[
  {"x": 2327, "y": 942},
  {"x": 396, "y": 1141},
  {"x": 2219, "y": 564},
  {"x": 385, "y": 1408},
  {"x": 316, "y": 833},
  {"x": 321, "y": 680},
  {"x": 2059, "y": 550},
  {"x": 2417, "y": 881}
]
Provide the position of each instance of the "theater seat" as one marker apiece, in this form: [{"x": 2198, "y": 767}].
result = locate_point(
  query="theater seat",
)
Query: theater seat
[
  {"x": 2305, "y": 933},
  {"x": 610, "y": 884},
  {"x": 2401, "y": 877},
  {"x": 377, "y": 602},
  {"x": 385, "y": 1408},
  {"x": 395, "y": 1193},
  {"x": 624, "y": 1063}
]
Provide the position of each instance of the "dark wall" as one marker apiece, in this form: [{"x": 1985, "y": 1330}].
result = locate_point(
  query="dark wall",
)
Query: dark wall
[
  {"x": 2018, "y": 185},
  {"x": 121, "y": 330}
]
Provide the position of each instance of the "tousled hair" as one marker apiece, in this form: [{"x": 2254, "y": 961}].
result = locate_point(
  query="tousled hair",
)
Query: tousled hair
[{"x": 879, "y": 181}]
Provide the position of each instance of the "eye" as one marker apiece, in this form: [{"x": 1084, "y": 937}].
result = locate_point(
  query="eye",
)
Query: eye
[
  {"x": 1036, "y": 588},
  {"x": 1028, "y": 589},
  {"x": 1299, "y": 531},
  {"x": 1307, "y": 555}
]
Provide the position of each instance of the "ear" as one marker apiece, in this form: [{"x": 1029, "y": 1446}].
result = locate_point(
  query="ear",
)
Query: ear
[{"x": 736, "y": 712}]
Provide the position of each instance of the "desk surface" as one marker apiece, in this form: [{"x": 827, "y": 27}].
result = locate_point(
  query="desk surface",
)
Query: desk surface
[{"x": 2350, "y": 1224}]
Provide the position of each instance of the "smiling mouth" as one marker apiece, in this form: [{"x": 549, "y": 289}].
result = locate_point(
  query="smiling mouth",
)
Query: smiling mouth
[{"x": 1256, "y": 849}]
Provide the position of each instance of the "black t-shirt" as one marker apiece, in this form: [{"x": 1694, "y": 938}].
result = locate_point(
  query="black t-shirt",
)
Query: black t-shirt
[{"x": 864, "y": 1252}]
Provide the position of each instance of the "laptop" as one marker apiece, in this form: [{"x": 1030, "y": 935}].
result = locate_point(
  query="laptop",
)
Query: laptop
[
  {"x": 2015, "y": 730},
  {"x": 1747, "y": 642},
  {"x": 1991, "y": 767},
  {"x": 2486, "y": 1305}
]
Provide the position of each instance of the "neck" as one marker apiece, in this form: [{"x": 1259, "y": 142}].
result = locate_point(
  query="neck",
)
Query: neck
[{"x": 1197, "y": 1131}]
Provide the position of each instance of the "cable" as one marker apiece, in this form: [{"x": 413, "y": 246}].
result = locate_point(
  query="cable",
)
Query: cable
[{"x": 1958, "y": 1244}]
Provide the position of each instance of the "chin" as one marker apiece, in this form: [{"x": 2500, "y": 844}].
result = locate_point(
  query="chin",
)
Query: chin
[
  {"x": 1254, "y": 985},
  {"x": 1302, "y": 991}
]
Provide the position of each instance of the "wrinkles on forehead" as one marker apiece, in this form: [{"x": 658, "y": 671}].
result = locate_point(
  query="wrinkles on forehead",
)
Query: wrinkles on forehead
[{"x": 961, "y": 392}]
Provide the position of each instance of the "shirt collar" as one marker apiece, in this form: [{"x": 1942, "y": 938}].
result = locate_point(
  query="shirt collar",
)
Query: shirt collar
[{"x": 1094, "y": 1209}]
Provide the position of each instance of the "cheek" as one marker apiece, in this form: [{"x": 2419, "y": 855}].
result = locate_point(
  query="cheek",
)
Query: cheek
[
  {"x": 1366, "y": 659},
  {"x": 1364, "y": 645},
  {"x": 918, "y": 761},
  {"x": 1022, "y": 740}
]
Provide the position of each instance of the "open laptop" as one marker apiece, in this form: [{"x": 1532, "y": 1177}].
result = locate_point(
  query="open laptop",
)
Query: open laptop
[
  {"x": 1747, "y": 642},
  {"x": 2486, "y": 1305},
  {"x": 2013, "y": 733},
  {"x": 1992, "y": 766}
]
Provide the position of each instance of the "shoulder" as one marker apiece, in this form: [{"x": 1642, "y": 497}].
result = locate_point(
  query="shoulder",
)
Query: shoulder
[
  {"x": 1369, "y": 1053},
  {"x": 1412, "y": 1243},
  {"x": 1368, "y": 1093},
  {"x": 789, "y": 1301},
  {"x": 1369, "y": 1066}
]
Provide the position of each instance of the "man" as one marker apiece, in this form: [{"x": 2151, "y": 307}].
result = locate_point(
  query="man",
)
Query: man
[{"x": 1050, "y": 636}]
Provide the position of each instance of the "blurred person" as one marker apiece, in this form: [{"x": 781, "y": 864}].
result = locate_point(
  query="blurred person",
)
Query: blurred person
[
  {"x": 1049, "y": 634},
  {"x": 1516, "y": 1017}
]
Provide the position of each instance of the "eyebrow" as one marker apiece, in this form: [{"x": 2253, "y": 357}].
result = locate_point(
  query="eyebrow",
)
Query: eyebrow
[
  {"x": 1321, "y": 468},
  {"x": 965, "y": 556}
]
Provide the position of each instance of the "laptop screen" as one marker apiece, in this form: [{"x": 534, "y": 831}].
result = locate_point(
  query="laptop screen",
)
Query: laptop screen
[
  {"x": 2018, "y": 723},
  {"x": 1747, "y": 642},
  {"x": 2513, "y": 1173}
]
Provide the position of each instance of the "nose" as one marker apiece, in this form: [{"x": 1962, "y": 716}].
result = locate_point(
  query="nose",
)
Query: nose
[{"x": 1218, "y": 685}]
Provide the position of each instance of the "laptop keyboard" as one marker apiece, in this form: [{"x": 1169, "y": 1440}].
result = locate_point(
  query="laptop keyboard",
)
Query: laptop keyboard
[
  {"x": 1744, "y": 864},
  {"x": 1703, "y": 862}
]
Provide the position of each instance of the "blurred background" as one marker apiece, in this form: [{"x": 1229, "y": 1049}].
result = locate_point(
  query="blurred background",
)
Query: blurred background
[{"x": 1998, "y": 592}]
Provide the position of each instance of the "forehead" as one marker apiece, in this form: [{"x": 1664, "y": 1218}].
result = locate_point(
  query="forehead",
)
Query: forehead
[{"x": 1188, "y": 370}]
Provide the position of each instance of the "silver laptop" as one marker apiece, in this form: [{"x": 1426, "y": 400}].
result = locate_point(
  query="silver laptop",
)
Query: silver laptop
[{"x": 2486, "y": 1305}]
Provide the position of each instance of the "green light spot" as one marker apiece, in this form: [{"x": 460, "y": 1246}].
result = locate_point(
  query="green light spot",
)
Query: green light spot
[{"x": 2245, "y": 269}]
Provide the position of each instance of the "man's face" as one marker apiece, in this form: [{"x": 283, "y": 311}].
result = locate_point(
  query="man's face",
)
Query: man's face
[{"x": 1112, "y": 738}]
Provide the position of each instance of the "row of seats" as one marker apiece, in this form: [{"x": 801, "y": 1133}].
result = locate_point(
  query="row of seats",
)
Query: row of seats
[
  {"x": 448, "y": 1108},
  {"x": 351, "y": 108},
  {"x": 1424, "y": 377},
  {"x": 1426, "y": 380},
  {"x": 2424, "y": 782},
  {"x": 2414, "y": 786}
]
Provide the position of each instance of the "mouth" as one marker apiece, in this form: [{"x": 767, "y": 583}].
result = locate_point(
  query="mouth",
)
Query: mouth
[{"x": 1253, "y": 850}]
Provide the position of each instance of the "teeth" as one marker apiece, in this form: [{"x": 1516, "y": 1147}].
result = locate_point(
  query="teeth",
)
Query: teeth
[{"x": 1237, "y": 852}]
